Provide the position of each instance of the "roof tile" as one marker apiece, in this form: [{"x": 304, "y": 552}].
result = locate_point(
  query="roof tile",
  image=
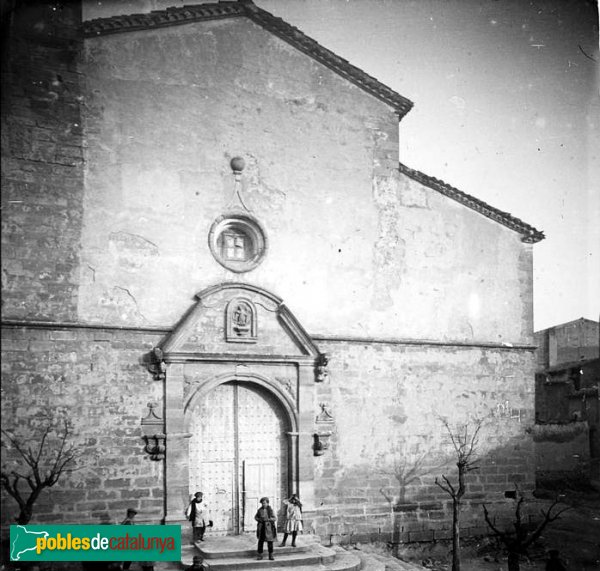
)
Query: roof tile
[{"x": 528, "y": 233}]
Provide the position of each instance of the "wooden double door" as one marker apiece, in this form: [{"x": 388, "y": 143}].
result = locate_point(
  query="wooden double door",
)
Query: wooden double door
[{"x": 238, "y": 454}]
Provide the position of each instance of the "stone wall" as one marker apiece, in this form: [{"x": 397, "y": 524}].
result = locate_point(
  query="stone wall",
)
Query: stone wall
[
  {"x": 562, "y": 450},
  {"x": 355, "y": 248},
  {"x": 42, "y": 161},
  {"x": 387, "y": 447},
  {"x": 384, "y": 398},
  {"x": 94, "y": 378},
  {"x": 390, "y": 443},
  {"x": 567, "y": 343}
]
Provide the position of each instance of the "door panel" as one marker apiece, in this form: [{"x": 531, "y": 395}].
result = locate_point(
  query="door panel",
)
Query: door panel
[
  {"x": 260, "y": 479},
  {"x": 262, "y": 447},
  {"x": 238, "y": 453},
  {"x": 217, "y": 480},
  {"x": 212, "y": 454}
]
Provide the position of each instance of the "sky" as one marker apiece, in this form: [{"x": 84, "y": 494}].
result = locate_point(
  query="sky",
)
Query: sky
[{"x": 507, "y": 109}]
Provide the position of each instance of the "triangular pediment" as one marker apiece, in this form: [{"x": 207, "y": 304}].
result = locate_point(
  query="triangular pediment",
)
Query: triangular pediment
[{"x": 239, "y": 319}]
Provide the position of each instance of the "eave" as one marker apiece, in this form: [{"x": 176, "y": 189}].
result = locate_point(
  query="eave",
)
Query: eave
[{"x": 529, "y": 234}]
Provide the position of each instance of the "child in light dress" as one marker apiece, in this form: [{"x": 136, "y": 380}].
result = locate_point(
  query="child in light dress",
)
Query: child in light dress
[{"x": 293, "y": 519}]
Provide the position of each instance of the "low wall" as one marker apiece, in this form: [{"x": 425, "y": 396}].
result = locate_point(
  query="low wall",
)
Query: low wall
[{"x": 562, "y": 450}]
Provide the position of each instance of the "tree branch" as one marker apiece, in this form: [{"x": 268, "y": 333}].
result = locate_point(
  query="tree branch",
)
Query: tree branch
[
  {"x": 448, "y": 488},
  {"x": 39, "y": 475},
  {"x": 486, "y": 515},
  {"x": 548, "y": 518}
]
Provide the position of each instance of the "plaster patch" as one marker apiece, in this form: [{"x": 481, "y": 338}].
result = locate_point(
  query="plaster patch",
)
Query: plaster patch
[
  {"x": 131, "y": 251},
  {"x": 388, "y": 255},
  {"x": 260, "y": 194}
]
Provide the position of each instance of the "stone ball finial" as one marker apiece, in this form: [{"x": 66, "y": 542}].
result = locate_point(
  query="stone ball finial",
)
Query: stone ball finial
[{"x": 237, "y": 164}]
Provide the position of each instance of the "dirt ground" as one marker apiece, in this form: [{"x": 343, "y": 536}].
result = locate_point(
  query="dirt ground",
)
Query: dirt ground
[{"x": 576, "y": 534}]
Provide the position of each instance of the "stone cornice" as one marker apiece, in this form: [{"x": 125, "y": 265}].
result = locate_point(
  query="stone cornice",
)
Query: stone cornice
[
  {"x": 237, "y": 358},
  {"x": 319, "y": 337},
  {"x": 425, "y": 342},
  {"x": 33, "y": 324}
]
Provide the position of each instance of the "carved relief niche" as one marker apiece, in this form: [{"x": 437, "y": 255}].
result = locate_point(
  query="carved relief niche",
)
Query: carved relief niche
[
  {"x": 153, "y": 428},
  {"x": 324, "y": 424},
  {"x": 241, "y": 321}
]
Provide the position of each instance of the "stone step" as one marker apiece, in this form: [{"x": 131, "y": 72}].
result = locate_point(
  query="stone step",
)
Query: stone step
[
  {"x": 341, "y": 561},
  {"x": 238, "y": 553},
  {"x": 245, "y": 546},
  {"x": 315, "y": 555}
]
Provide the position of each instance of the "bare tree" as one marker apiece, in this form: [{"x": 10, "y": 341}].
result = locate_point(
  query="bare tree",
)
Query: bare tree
[
  {"x": 518, "y": 541},
  {"x": 465, "y": 440},
  {"x": 39, "y": 464}
]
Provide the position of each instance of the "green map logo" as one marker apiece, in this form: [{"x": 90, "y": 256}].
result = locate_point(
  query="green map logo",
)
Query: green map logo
[
  {"x": 23, "y": 540},
  {"x": 95, "y": 543}
]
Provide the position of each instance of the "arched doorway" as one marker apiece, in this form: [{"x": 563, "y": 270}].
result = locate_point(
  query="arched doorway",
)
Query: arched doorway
[{"x": 239, "y": 451}]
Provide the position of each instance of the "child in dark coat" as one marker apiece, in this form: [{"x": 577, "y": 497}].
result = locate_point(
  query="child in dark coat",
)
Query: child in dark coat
[{"x": 265, "y": 529}]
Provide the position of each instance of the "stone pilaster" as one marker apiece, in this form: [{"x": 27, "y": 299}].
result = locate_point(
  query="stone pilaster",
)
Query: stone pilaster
[
  {"x": 306, "y": 421},
  {"x": 176, "y": 461}
]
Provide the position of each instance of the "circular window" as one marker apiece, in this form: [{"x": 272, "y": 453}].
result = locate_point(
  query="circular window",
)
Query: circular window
[{"x": 238, "y": 242}]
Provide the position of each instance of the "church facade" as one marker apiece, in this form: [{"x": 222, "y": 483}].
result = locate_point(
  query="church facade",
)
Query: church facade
[{"x": 215, "y": 267}]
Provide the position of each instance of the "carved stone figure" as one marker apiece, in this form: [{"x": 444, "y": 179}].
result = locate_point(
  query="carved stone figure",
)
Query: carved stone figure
[
  {"x": 242, "y": 319},
  {"x": 321, "y": 373}
]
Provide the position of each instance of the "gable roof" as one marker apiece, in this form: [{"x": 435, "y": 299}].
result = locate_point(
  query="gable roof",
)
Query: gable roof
[
  {"x": 528, "y": 233},
  {"x": 277, "y": 26}
]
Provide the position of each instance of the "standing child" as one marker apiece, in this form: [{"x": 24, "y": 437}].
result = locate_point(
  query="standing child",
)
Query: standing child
[
  {"x": 265, "y": 529},
  {"x": 197, "y": 513},
  {"x": 293, "y": 519}
]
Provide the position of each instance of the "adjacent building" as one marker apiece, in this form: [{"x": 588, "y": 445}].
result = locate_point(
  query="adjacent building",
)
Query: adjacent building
[{"x": 567, "y": 399}]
